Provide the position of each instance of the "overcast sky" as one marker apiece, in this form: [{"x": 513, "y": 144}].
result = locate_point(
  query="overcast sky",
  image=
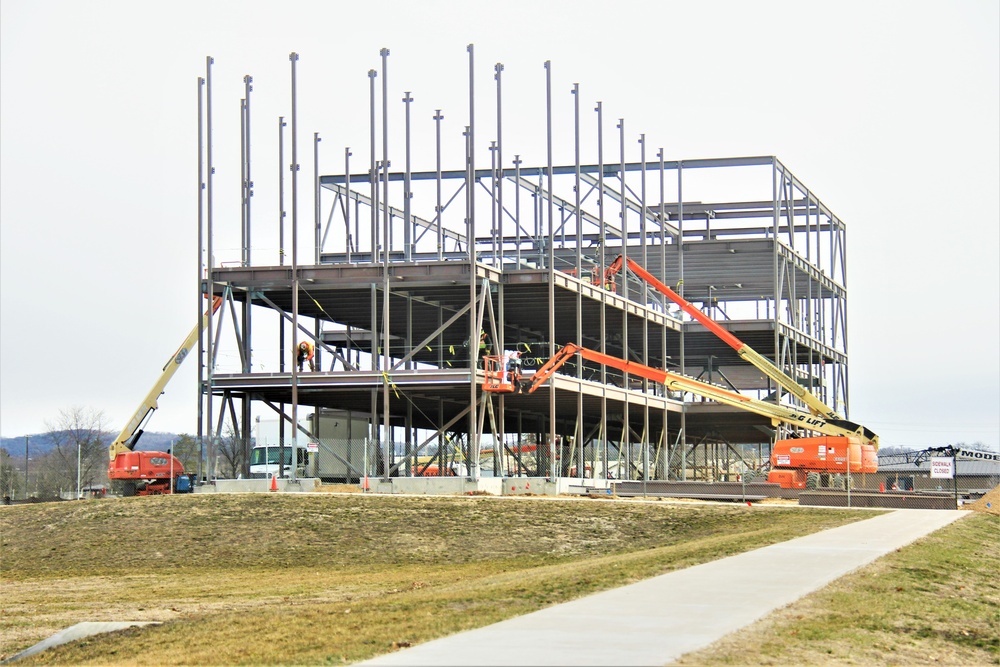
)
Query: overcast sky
[{"x": 888, "y": 111}]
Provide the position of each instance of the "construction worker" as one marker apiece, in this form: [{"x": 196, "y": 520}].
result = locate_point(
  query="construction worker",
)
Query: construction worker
[
  {"x": 484, "y": 347},
  {"x": 512, "y": 365},
  {"x": 305, "y": 353}
]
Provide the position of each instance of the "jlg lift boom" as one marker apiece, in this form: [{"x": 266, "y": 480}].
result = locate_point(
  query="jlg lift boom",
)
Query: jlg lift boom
[
  {"x": 150, "y": 473},
  {"x": 816, "y": 406},
  {"x": 762, "y": 363},
  {"x": 843, "y": 448}
]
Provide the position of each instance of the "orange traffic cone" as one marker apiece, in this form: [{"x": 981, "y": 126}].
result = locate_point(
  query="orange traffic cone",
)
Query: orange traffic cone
[{"x": 274, "y": 483}]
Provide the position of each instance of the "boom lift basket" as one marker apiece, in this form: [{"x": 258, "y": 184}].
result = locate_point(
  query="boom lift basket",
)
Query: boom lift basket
[{"x": 498, "y": 379}]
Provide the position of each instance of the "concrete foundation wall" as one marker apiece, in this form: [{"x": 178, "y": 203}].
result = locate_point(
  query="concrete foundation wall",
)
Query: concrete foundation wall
[
  {"x": 926, "y": 501},
  {"x": 302, "y": 485},
  {"x": 495, "y": 486}
]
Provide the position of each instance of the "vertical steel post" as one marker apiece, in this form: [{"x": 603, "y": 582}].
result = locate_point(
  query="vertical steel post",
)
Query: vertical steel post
[
  {"x": 317, "y": 222},
  {"x": 775, "y": 221},
  {"x": 281, "y": 204},
  {"x": 473, "y": 439},
  {"x": 293, "y": 472},
  {"x": 642, "y": 228},
  {"x": 493, "y": 208},
  {"x": 578, "y": 434},
  {"x": 602, "y": 243},
  {"x": 387, "y": 242},
  {"x": 498, "y": 178},
  {"x": 407, "y": 194},
  {"x": 517, "y": 209},
  {"x": 210, "y": 260},
  {"x": 954, "y": 473},
  {"x": 243, "y": 182},
  {"x": 247, "y": 312},
  {"x": 372, "y": 180},
  {"x": 663, "y": 329},
  {"x": 843, "y": 366},
  {"x": 626, "y": 383},
  {"x": 281, "y": 262},
  {"x": 438, "y": 117},
  {"x": 201, "y": 334},
  {"x": 317, "y": 247},
  {"x": 386, "y": 222},
  {"x": 680, "y": 278},
  {"x": 552, "y": 268},
  {"x": 248, "y": 88},
  {"x": 352, "y": 238},
  {"x": 645, "y": 302},
  {"x": 623, "y": 214}
]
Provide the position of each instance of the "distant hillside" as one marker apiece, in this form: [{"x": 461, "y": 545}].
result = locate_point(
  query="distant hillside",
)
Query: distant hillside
[{"x": 41, "y": 444}]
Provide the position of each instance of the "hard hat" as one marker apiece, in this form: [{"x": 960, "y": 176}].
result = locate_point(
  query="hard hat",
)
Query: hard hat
[{"x": 303, "y": 345}]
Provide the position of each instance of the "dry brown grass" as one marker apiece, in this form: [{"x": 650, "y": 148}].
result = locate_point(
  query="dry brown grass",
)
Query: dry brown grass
[
  {"x": 279, "y": 579},
  {"x": 989, "y": 504}
]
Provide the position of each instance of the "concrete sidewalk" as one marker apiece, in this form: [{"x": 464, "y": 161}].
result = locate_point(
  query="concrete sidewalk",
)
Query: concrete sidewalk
[{"x": 655, "y": 621}]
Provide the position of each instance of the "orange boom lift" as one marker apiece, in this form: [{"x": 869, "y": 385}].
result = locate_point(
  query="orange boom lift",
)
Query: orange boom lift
[
  {"x": 843, "y": 447},
  {"x": 146, "y": 473}
]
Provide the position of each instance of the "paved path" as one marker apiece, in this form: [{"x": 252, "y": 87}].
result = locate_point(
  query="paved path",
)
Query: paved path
[
  {"x": 653, "y": 622},
  {"x": 75, "y": 632}
]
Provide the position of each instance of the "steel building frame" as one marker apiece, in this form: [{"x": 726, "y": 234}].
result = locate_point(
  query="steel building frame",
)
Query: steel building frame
[{"x": 411, "y": 268}]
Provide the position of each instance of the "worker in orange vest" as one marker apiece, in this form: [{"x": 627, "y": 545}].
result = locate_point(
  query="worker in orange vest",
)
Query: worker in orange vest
[{"x": 306, "y": 352}]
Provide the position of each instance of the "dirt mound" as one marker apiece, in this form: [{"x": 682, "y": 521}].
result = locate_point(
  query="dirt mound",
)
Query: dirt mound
[{"x": 990, "y": 503}]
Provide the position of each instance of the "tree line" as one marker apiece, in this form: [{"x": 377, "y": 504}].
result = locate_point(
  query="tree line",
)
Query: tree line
[{"x": 80, "y": 440}]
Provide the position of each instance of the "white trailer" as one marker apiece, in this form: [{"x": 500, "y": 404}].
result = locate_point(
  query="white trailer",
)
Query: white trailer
[{"x": 330, "y": 446}]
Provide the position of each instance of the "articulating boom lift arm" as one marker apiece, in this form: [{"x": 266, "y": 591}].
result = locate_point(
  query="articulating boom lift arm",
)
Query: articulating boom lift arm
[
  {"x": 126, "y": 440},
  {"x": 777, "y": 413},
  {"x": 816, "y": 406}
]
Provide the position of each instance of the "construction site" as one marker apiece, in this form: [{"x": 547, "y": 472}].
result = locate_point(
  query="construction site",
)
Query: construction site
[{"x": 420, "y": 289}]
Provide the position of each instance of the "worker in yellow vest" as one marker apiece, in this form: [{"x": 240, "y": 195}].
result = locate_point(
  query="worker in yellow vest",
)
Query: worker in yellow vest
[{"x": 306, "y": 352}]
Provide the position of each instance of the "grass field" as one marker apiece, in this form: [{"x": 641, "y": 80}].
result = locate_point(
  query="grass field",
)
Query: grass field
[{"x": 256, "y": 579}]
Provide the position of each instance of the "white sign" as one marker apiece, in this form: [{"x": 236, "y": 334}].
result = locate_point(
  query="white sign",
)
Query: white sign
[
  {"x": 941, "y": 467},
  {"x": 312, "y": 447}
]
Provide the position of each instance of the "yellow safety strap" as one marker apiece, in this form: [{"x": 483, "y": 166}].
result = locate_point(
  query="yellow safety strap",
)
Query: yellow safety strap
[{"x": 385, "y": 376}]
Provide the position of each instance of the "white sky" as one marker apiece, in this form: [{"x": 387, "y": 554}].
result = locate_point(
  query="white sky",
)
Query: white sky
[{"x": 888, "y": 111}]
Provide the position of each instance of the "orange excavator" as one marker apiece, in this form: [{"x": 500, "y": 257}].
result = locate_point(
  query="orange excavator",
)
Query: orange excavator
[
  {"x": 843, "y": 447},
  {"x": 146, "y": 473}
]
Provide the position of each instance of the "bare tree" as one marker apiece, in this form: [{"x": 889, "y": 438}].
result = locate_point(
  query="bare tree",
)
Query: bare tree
[
  {"x": 187, "y": 451},
  {"x": 81, "y": 448},
  {"x": 232, "y": 452}
]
